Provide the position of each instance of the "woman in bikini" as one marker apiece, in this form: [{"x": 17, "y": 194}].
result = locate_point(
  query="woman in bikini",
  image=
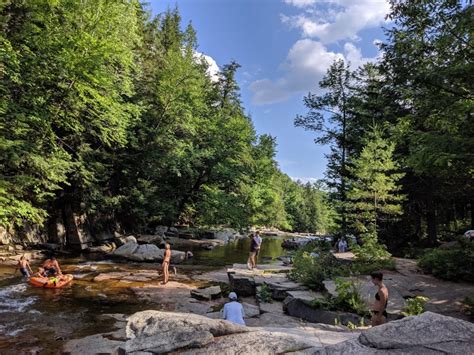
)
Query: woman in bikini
[
  {"x": 166, "y": 264},
  {"x": 379, "y": 309}
]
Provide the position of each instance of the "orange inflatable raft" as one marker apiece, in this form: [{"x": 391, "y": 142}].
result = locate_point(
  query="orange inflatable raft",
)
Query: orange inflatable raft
[{"x": 51, "y": 282}]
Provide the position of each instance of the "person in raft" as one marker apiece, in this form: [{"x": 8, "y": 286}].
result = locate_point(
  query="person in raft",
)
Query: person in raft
[
  {"x": 51, "y": 267},
  {"x": 24, "y": 267},
  {"x": 255, "y": 245},
  {"x": 379, "y": 309},
  {"x": 166, "y": 264},
  {"x": 233, "y": 310}
]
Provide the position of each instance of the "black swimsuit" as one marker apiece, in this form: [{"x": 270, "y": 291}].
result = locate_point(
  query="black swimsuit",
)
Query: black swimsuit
[{"x": 384, "y": 313}]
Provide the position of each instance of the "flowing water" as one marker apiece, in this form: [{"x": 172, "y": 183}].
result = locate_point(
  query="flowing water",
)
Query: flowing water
[{"x": 39, "y": 320}]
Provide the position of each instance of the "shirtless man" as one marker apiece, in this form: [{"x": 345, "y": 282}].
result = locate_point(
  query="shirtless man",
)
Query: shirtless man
[
  {"x": 51, "y": 267},
  {"x": 166, "y": 264},
  {"x": 24, "y": 267}
]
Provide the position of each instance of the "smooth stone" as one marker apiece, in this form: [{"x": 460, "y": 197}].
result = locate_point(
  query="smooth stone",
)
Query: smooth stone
[{"x": 207, "y": 294}]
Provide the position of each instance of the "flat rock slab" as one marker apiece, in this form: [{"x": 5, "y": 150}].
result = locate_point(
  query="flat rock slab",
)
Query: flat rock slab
[
  {"x": 306, "y": 296},
  {"x": 274, "y": 307},
  {"x": 207, "y": 294}
]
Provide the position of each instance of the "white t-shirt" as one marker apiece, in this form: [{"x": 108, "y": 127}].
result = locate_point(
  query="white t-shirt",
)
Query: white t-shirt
[{"x": 234, "y": 312}]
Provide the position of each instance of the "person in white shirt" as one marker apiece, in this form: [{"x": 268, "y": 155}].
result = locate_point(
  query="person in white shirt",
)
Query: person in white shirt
[{"x": 233, "y": 310}]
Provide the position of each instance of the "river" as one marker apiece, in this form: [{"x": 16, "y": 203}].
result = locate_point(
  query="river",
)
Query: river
[{"x": 39, "y": 320}]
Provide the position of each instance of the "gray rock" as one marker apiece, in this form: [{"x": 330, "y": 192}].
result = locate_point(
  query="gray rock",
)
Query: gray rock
[
  {"x": 429, "y": 333},
  {"x": 250, "y": 310},
  {"x": 147, "y": 252},
  {"x": 429, "y": 329},
  {"x": 106, "y": 248},
  {"x": 150, "y": 323},
  {"x": 164, "y": 342},
  {"x": 243, "y": 285},
  {"x": 260, "y": 342},
  {"x": 149, "y": 239},
  {"x": 301, "y": 308},
  {"x": 207, "y": 294},
  {"x": 280, "y": 288},
  {"x": 126, "y": 250},
  {"x": 94, "y": 344},
  {"x": 161, "y": 230},
  {"x": 131, "y": 239}
]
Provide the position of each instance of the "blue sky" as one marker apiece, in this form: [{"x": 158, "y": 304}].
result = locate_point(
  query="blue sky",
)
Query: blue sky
[{"x": 284, "y": 48}]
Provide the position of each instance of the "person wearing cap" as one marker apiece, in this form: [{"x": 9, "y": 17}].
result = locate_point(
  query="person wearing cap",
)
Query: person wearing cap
[{"x": 233, "y": 310}]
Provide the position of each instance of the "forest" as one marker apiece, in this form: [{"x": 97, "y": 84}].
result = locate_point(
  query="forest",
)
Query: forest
[
  {"x": 111, "y": 116},
  {"x": 109, "y": 113},
  {"x": 400, "y": 130}
]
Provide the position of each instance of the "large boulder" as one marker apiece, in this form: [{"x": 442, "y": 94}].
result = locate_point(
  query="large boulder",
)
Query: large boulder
[
  {"x": 298, "y": 304},
  {"x": 147, "y": 252},
  {"x": 126, "y": 250},
  {"x": 241, "y": 284},
  {"x": 428, "y": 333},
  {"x": 131, "y": 250},
  {"x": 149, "y": 323}
]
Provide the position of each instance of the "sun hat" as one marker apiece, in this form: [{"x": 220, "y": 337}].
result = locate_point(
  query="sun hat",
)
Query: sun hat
[{"x": 233, "y": 296}]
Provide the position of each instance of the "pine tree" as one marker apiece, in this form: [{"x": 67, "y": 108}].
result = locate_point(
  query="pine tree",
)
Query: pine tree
[
  {"x": 373, "y": 197},
  {"x": 329, "y": 116}
]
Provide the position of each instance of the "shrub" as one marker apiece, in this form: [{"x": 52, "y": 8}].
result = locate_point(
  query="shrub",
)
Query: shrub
[
  {"x": 415, "y": 306},
  {"x": 313, "y": 268},
  {"x": 264, "y": 294},
  {"x": 347, "y": 300},
  {"x": 370, "y": 250},
  {"x": 455, "y": 263}
]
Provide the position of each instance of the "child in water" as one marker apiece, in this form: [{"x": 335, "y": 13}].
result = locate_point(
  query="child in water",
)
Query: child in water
[{"x": 24, "y": 267}]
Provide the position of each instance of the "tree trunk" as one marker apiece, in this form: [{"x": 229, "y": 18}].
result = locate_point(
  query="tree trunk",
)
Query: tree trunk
[{"x": 431, "y": 220}]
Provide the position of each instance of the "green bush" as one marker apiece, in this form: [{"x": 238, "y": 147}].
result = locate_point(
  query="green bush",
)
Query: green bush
[
  {"x": 415, "y": 306},
  {"x": 264, "y": 294},
  {"x": 312, "y": 270},
  {"x": 347, "y": 300},
  {"x": 455, "y": 263}
]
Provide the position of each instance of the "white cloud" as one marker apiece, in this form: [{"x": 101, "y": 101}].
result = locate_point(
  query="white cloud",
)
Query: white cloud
[
  {"x": 304, "y": 180},
  {"x": 322, "y": 22},
  {"x": 213, "y": 68},
  {"x": 300, "y": 3},
  {"x": 337, "y": 19},
  {"x": 306, "y": 64}
]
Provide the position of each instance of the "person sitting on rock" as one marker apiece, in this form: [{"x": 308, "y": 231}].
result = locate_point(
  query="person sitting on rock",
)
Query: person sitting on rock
[
  {"x": 51, "y": 267},
  {"x": 166, "y": 264},
  {"x": 24, "y": 267},
  {"x": 233, "y": 310},
  {"x": 379, "y": 309}
]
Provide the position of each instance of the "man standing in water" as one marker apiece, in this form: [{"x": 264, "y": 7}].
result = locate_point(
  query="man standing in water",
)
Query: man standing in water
[
  {"x": 166, "y": 264},
  {"x": 255, "y": 244}
]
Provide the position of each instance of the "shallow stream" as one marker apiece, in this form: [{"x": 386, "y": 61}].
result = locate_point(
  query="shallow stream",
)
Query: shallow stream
[{"x": 37, "y": 320}]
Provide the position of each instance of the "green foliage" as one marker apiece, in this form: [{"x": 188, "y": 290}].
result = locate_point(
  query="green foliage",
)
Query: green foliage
[
  {"x": 312, "y": 270},
  {"x": 455, "y": 263},
  {"x": 415, "y": 306},
  {"x": 373, "y": 195},
  {"x": 347, "y": 300},
  {"x": 111, "y": 113},
  {"x": 264, "y": 294}
]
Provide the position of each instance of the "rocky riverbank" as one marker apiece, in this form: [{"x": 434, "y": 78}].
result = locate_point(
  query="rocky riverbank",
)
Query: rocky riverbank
[{"x": 152, "y": 332}]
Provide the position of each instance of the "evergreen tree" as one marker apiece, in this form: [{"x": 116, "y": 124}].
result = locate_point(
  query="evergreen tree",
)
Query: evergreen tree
[
  {"x": 374, "y": 196},
  {"x": 330, "y": 117}
]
